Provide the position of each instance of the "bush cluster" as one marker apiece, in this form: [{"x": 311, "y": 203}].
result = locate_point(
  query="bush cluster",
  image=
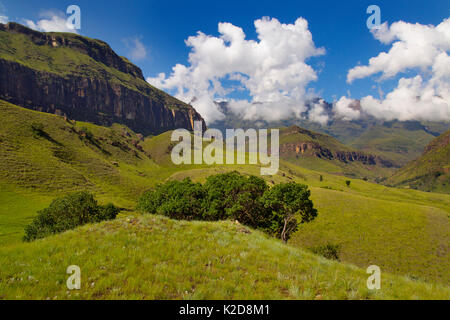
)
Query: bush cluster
[
  {"x": 329, "y": 251},
  {"x": 68, "y": 212},
  {"x": 232, "y": 196}
]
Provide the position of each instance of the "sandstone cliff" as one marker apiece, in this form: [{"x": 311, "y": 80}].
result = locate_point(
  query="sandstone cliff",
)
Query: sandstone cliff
[
  {"x": 86, "y": 80},
  {"x": 316, "y": 150},
  {"x": 298, "y": 142}
]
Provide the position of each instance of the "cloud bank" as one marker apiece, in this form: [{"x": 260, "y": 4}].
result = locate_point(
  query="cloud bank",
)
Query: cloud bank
[
  {"x": 418, "y": 49},
  {"x": 51, "y": 21},
  {"x": 271, "y": 69}
]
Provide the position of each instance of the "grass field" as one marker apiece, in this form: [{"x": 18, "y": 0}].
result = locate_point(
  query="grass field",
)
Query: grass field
[
  {"x": 405, "y": 232},
  {"x": 151, "y": 257},
  {"x": 429, "y": 172}
]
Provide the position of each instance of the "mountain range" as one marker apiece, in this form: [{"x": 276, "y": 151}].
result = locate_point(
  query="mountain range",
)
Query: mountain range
[
  {"x": 77, "y": 117},
  {"x": 397, "y": 141}
]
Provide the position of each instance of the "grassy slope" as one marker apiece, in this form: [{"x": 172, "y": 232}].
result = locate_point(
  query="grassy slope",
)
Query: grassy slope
[
  {"x": 430, "y": 172},
  {"x": 402, "y": 231},
  {"x": 17, "y": 209},
  {"x": 150, "y": 257},
  {"x": 414, "y": 223},
  {"x": 64, "y": 160},
  {"x": 394, "y": 143},
  {"x": 400, "y": 142},
  {"x": 352, "y": 169},
  {"x": 34, "y": 169}
]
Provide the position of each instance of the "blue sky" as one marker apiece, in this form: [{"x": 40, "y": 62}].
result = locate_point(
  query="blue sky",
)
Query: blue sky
[{"x": 163, "y": 26}]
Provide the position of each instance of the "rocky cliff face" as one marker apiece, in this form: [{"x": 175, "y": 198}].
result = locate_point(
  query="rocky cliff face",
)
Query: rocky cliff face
[
  {"x": 95, "y": 99},
  {"x": 316, "y": 150}
]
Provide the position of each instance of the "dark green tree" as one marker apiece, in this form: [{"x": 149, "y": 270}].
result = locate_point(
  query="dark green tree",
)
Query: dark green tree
[
  {"x": 68, "y": 212},
  {"x": 175, "y": 199},
  {"x": 289, "y": 204},
  {"x": 235, "y": 196}
]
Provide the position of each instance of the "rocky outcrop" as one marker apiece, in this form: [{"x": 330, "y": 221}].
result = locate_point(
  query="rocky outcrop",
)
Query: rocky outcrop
[
  {"x": 92, "y": 99},
  {"x": 315, "y": 150}
]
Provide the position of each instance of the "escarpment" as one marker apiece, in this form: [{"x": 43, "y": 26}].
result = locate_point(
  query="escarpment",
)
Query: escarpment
[
  {"x": 85, "y": 80},
  {"x": 299, "y": 142},
  {"x": 316, "y": 150}
]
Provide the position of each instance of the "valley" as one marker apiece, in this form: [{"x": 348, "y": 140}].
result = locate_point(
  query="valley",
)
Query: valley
[{"x": 75, "y": 116}]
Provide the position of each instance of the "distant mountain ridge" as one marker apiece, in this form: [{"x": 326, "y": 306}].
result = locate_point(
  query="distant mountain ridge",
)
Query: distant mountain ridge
[
  {"x": 313, "y": 146},
  {"x": 318, "y": 151},
  {"x": 397, "y": 141},
  {"x": 83, "y": 78},
  {"x": 431, "y": 171}
]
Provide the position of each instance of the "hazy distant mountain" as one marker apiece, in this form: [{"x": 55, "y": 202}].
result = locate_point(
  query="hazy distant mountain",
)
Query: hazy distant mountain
[{"x": 397, "y": 141}]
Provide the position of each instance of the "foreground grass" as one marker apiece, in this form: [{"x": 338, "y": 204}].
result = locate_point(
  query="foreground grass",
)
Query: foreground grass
[
  {"x": 17, "y": 209},
  {"x": 402, "y": 231},
  {"x": 152, "y": 257},
  {"x": 399, "y": 237}
]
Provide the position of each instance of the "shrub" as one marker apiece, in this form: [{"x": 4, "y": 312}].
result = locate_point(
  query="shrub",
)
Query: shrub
[
  {"x": 175, "y": 199},
  {"x": 37, "y": 128},
  {"x": 234, "y": 196},
  {"x": 329, "y": 251},
  {"x": 86, "y": 133},
  {"x": 289, "y": 205},
  {"x": 66, "y": 213},
  {"x": 347, "y": 182}
]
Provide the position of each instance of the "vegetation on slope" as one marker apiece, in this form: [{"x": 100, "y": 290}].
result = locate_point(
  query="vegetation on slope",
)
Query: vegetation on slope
[
  {"x": 358, "y": 218},
  {"x": 45, "y": 152},
  {"x": 67, "y": 213},
  {"x": 151, "y": 257},
  {"x": 430, "y": 172},
  {"x": 395, "y": 141},
  {"x": 399, "y": 142},
  {"x": 322, "y": 152},
  {"x": 231, "y": 196},
  {"x": 402, "y": 231}
]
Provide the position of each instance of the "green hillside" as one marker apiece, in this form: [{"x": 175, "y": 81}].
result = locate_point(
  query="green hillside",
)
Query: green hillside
[
  {"x": 151, "y": 257},
  {"x": 394, "y": 141},
  {"x": 294, "y": 134},
  {"x": 430, "y": 172},
  {"x": 42, "y": 156},
  {"x": 318, "y": 151},
  {"x": 46, "y": 153},
  {"x": 397, "y": 141},
  {"x": 402, "y": 231}
]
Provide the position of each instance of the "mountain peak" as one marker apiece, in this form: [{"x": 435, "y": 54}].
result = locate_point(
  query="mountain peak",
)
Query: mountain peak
[
  {"x": 85, "y": 80},
  {"x": 96, "y": 49}
]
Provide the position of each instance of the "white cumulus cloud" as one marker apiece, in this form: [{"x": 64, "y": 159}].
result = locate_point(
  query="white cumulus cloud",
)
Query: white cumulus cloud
[
  {"x": 3, "y": 17},
  {"x": 136, "y": 49},
  {"x": 415, "y": 48},
  {"x": 317, "y": 112},
  {"x": 272, "y": 69},
  {"x": 51, "y": 21},
  {"x": 346, "y": 109}
]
